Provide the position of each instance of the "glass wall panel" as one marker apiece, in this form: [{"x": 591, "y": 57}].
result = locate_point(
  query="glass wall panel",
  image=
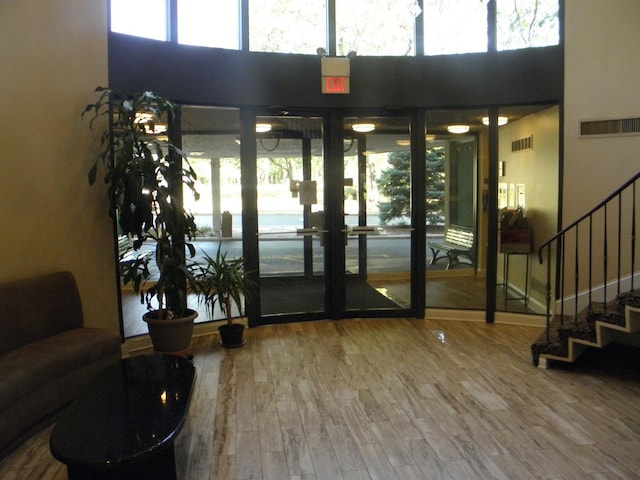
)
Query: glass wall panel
[
  {"x": 456, "y": 258},
  {"x": 126, "y": 15},
  {"x": 287, "y": 26},
  {"x": 528, "y": 23},
  {"x": 210, "y": 140},
  {"x": 380, "y": 27},
  {"x": 528, "y": 175},
  {"x": 455, "y": 26},
  {"x": 209, "y": 24}
]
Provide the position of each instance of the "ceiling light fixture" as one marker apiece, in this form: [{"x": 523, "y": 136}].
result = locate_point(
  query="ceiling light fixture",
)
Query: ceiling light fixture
[
  {"x": 363, "y": 127},
  {"x": 403, "y": 143},
  {"x": 458, "y": 128},
  {"x": 501, "y": 121},
  {"x": 263, "y": 127}
]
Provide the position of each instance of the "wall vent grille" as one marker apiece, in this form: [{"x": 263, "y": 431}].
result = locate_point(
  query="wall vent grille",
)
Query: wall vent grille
[
  {"x": 525, "y": 143},
  {"x": 620, "y": 126}
]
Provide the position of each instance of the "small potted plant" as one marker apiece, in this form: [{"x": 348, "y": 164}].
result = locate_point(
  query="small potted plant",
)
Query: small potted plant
[
  {"x": 224, "y": 282},
  {"x": 145, "y": 175}
]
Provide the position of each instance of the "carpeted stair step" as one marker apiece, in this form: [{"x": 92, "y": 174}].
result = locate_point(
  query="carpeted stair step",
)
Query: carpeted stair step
[
  {"x": 568, "y": 337},
  {"x": 553, "y": 345}
]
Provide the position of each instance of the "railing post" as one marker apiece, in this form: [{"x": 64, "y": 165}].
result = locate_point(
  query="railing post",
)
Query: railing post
[
  {"x": 576, "y": 275},
  {"x": 633, "y": 234},
  {"x": 548, "y": 313}
]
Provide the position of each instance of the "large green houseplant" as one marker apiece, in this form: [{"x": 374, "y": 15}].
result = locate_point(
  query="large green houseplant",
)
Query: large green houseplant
[
  {"x": 145, "y": 175},
  {"x": 224, "y": 282}
]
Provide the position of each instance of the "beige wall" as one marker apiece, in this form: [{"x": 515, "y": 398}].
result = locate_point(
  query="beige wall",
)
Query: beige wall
[
  {"x": 54, "y": 53},
  {"x": 538, "y": 170},
  {"x": 602, "y": 75}
]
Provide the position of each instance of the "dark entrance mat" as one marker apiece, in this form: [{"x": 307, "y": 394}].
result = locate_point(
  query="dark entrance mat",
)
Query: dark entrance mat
[{"x": 300, "y": 294}]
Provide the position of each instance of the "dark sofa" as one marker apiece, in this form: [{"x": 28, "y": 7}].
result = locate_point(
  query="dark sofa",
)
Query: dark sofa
[{"x": 46, "y": 352}]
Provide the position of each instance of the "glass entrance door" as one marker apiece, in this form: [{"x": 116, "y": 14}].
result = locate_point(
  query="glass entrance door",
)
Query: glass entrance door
[
  {"x": 290, "y": 204},
  {"x": 377, "y": 213},
  {"x": 334, "y": 216}
]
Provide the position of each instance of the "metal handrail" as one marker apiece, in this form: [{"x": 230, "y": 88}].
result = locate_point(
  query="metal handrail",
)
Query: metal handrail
[{"x": 608, "y": 249}]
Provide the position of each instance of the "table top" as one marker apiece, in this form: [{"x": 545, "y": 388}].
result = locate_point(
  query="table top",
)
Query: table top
[{"x": 132, "y": 408}]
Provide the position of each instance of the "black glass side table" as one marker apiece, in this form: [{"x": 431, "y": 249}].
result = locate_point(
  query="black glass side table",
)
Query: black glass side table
[{"x": 125, "y": 423}]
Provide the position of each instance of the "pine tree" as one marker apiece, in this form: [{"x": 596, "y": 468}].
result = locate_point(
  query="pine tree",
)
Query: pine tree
[{"x": 395, "y": 184}]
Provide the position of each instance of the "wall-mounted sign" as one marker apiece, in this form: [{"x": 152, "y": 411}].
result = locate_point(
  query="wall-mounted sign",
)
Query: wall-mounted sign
[
  {"x": 335, "y": 84},
  {"x": 335, "y": 75}
]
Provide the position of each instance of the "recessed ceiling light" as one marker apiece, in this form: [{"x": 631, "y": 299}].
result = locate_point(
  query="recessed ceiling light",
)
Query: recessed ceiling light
[
  {"x": 501, "y": 121},
  {"x": 363, "y": 127},
  {"x": 458, "y": 128}
]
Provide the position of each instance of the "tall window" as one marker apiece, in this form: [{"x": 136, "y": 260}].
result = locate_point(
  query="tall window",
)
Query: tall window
[
  {"x": 455, "y": 26},
  {"x": 209, "y": 24},
  {"x": 287, "y": 26},
  {"x": 376, "y": 27},
  {"x": 527, "y": 23},
  {"x": 368, "y": 27},
  {"x": 143, "y": 18}
]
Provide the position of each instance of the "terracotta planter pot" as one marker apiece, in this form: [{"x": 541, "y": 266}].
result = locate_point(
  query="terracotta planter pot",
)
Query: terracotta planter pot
[{"x": 171, "y": 336}]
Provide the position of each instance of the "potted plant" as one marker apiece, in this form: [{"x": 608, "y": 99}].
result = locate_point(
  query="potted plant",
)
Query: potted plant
[
  {"x": 145, "y": 175},
  {"x": 224, "y": 282}
]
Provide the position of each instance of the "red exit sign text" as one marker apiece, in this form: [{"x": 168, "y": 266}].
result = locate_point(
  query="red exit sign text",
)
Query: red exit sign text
[{"x": 335, "y": 85}]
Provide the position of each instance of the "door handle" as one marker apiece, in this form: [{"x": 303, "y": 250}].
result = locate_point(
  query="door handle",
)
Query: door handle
[
  {"x": 308, "y": 232},
  {"x": 359, "y": 230}
]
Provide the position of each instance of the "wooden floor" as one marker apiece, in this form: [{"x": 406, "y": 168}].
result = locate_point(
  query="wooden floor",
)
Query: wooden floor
[{"x": 396, "y": 399}]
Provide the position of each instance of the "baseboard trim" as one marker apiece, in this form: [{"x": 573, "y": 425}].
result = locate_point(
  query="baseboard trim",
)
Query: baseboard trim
[{"x": 506, "y": 318}]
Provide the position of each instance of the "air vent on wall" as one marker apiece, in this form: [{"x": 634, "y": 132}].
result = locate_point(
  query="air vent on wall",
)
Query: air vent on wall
[
  {"x": 620, "y": 126},
  {"x": 525, "y": 143}
]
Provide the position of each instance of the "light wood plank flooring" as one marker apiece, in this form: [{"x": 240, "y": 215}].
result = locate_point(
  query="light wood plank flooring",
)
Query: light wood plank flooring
[{"x": 396, "y": 399}]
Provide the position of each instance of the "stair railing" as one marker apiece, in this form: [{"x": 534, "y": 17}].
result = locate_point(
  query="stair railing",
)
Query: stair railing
[{"x": 617, "y": 243}]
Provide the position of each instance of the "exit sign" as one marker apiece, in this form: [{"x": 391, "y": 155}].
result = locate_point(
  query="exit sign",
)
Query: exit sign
[
  {"x": 334, "y": 74},
  {"x": 336, "y": 85}
]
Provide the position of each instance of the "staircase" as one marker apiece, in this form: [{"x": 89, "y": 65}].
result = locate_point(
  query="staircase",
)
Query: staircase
[
  {"x": 595, "y": 268},
  {"x": 597, "y": 326}
]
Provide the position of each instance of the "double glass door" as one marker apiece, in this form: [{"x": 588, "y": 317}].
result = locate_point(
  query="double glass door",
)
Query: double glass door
[{"x": 333, "y": 204}]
